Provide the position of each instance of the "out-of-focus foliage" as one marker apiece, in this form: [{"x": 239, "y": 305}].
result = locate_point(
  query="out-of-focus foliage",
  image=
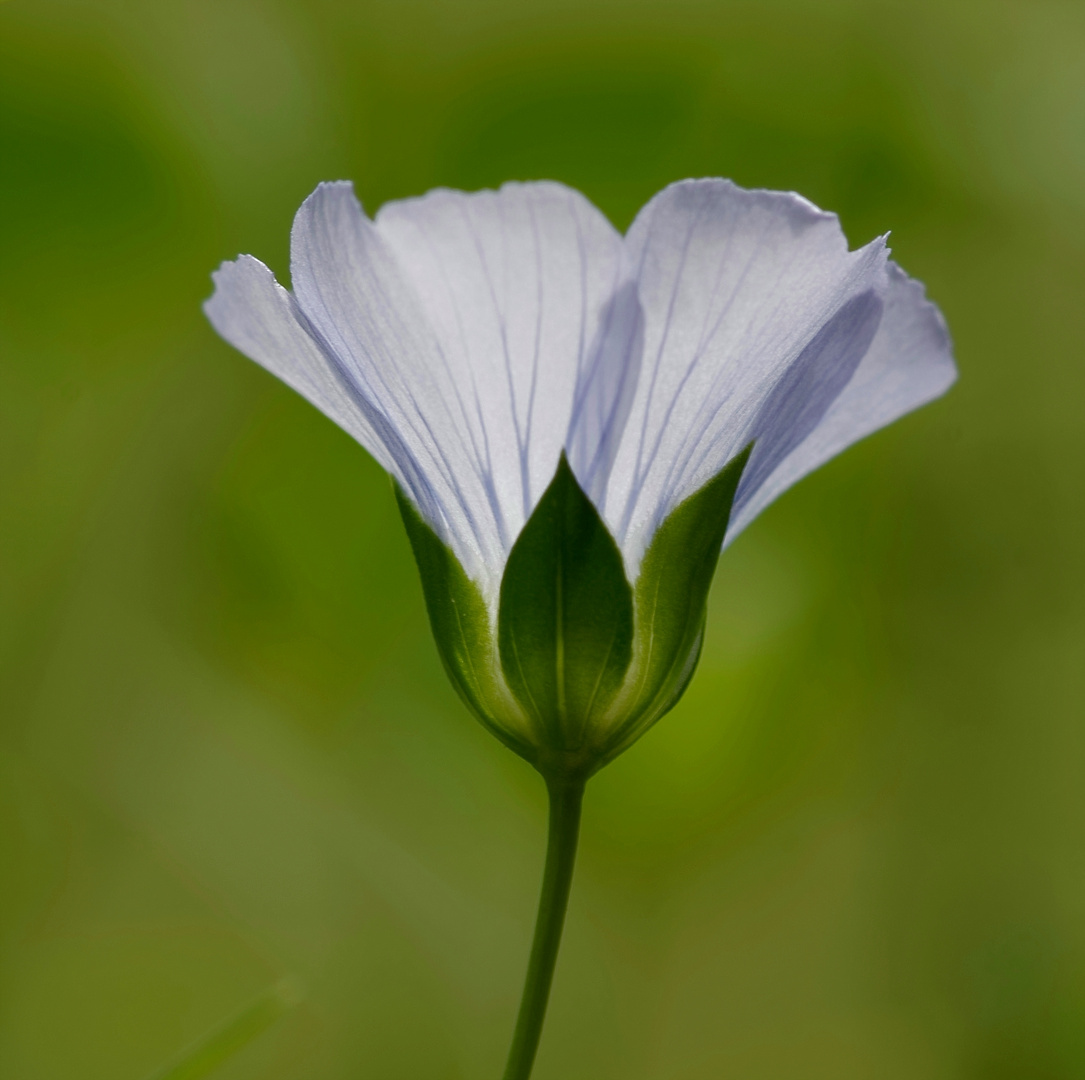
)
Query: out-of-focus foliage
[{"x": 228, "y": 754}]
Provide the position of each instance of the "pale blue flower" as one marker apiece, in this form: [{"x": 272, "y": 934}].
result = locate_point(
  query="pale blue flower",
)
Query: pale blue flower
[{"x": 472, "y": 342}]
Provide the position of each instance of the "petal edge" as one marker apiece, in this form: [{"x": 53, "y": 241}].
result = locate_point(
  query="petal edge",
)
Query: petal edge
[{"x": 909, "y": 363}]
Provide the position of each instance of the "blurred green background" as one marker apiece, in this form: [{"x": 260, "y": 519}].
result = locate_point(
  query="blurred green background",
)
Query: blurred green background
[{"x": 228, "y": 755}]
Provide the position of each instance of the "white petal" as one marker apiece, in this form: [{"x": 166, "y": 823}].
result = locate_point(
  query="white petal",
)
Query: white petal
[
  {"x": 736, "y": 287},
  {"x": 358, "y": 302},
  {"x": 604, "y": 393},
  {"x": 258, "y": 316},
  {"x": 514, "y": 283},
  {"x": 909, "y": 363}
]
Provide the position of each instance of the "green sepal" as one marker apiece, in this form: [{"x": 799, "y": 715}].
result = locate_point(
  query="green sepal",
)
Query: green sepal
[
  {"x": 565, "y": 620},
  {"x": 461, "y": 628},
  {"x": 671, "y": 598},
  {"x": 582, "y": 663}
]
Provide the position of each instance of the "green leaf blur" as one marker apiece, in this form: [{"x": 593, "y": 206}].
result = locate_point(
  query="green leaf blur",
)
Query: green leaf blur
[{"x": 228, "y": 750}]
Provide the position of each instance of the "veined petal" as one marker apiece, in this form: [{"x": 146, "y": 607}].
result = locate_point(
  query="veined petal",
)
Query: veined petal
[
  {"x": 361, "y": 306},
  {"x": 256, "y": 315},
  {"x": 748, "y": 297},
  {"x": 605, "y": 386},
  {"x": 514, "y": 283},
  {"x": 909, "y": 363}
]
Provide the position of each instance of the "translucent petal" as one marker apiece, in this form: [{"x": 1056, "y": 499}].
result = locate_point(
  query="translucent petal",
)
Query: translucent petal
[
  {"x": 360, "y": 305},
  {"x": 755, "y": 316},
  {"x": 255, "y": 314},
  {"x": 514, "y": 283},
  {"x": 605, "y": 388},
  {"x": 909, "y": 363}
]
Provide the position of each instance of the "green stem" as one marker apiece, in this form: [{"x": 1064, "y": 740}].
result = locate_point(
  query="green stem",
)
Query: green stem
[{"x": 565, "y": 799}]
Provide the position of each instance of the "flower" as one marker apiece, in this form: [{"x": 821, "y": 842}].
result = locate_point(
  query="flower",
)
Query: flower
[{"x": 575, "y": 420}]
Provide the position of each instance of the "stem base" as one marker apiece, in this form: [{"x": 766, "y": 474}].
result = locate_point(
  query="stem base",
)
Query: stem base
[{"x": 566, "y": 797}]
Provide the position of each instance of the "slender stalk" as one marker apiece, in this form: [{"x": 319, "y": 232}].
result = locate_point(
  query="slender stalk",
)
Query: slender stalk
[{"x": 565, "y": 800}]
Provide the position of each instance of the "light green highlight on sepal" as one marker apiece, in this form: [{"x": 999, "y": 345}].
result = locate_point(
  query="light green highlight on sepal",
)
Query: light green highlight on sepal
[
  {"x": 565, "y": 622},
  {"x": 465, "y": 640}
]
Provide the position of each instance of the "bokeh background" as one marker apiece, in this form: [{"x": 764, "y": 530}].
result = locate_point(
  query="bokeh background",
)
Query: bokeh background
[{"x": 230, "y": 765}]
